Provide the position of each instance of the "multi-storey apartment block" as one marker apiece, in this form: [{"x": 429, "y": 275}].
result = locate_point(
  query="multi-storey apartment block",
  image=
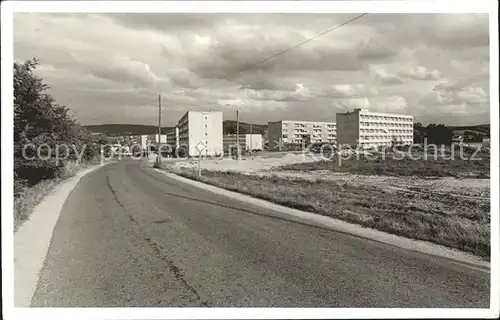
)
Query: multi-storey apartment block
[
  {"x": 248, "y": 142},
  {"x": 173, "y": 137},
  {"x": 299, "y": 132},
  {"x": 372, "y": 129},
  {"x": 200, "y": 133}
]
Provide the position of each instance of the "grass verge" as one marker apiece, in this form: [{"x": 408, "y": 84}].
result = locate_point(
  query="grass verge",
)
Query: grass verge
[
  {"x": 448, "y": 220},
  {"x": 27, "y": 198}
]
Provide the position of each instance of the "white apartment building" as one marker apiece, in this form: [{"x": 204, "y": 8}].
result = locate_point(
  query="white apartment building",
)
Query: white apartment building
[
  {"x": 373, "y": 129},
  {"x": 254, "y": 141},
  {"x": 144, "y": 141},
  {"x": 247, "y": 142},
  {"x": 201, "y": 132},
  {"x": 173, "y": 137},
  {"x": 161, "y": 139},
  {"x": 298, "y": 132}
]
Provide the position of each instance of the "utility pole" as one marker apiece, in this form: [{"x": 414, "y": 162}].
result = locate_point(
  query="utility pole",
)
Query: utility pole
[
  {"x": 159, "y": 128},
  {"x": 251, "y": 144},
  {"x": 238, "y": 134},
  {"x": 199, "y": 163}
]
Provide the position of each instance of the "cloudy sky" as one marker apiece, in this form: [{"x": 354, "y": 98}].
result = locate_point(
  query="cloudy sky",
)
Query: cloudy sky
[{"x": 109, "y": 68}]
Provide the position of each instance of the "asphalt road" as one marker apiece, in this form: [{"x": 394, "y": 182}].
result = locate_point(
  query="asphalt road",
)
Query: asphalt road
[{"x": 129, "y": 236}]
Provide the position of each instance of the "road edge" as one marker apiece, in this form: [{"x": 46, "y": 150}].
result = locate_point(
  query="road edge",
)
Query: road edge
[
  {"x": 32, "y": 239},
  {"x": 317, "y": 220}
]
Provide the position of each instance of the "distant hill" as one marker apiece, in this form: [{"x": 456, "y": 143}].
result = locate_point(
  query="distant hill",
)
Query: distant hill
[
  {"x": 123, "y": 129},
  {"x": 481, "y": 129},
  {"x": 228, "y": 127}
]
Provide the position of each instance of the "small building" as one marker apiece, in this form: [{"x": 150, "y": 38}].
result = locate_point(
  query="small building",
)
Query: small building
[
  {"x": 247, "y": 142},
  {"x": 229, "y": 143},
  {"x": 254, "y": 142},
  {"x": 162, "y": 138}
]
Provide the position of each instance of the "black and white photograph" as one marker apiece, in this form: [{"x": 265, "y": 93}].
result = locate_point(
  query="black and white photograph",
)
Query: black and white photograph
[{"x": 250, "y": 159}]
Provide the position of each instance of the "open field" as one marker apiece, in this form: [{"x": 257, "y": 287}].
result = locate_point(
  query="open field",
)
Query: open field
[
  {"x": 405, "y": 167},
  {"x": 410, "y": 198},
  {"x": 374, "y": 164},
  {"x": 448, "y": 219}
]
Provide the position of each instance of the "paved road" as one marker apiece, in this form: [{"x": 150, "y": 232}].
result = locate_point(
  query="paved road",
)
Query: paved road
[{"x": 131, "y": 237}]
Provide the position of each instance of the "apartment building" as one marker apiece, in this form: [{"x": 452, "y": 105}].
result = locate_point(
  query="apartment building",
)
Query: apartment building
[
  {"x": 154, "y": 139},
  {"x": 201, "y": 132},
  {"x": 246, "y": 142},
  {"x": 297, "y": 132},
  {"x": 162, "y": 138},
  {"x": 372, "y": 129},
  {"x": 144, "y": 141},
  {"x": 173, "y": 137}
]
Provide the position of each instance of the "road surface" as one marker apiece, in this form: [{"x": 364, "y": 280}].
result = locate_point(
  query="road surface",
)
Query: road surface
[{"x": 129, "y": 236}]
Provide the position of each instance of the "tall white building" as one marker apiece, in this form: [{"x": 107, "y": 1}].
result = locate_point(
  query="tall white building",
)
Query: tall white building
[
  {"x": 373, "y": 129},
  {"x": 298, "y": 132},
  {"x": 201, "y": 133}
]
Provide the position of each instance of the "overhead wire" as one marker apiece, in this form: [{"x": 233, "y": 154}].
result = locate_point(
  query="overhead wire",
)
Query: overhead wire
[{"x": 277, "y": 53}]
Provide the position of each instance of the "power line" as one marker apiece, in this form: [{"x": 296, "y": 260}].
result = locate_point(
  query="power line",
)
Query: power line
[{"x": 281, "y": 52}]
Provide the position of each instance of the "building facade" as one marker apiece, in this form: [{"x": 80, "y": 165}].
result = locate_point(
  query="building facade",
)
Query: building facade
[
  {"x": 201, "y": 133},
  {"x": 162, "y": 138},
  {"x": 373, "y": 129},
  {"x": 144, "y": 141},
  {"x": 247, "y": 142},
  {"x": 254, "y": 142},
  {"x": 173, "y": 137},
  {"x": 300, "y": 132}
]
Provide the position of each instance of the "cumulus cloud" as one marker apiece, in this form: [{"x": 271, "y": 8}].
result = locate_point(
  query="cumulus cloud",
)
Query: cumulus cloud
[
  {"x": 352, "y": 103},
  {"x": 419, "y": 73},
  {"x": 383, "y": 76},
  {"x": 390, "y": 104},
  {"x": 374, "y": 50},
  {"x": 422, "y": 64},
  {"x": 351, "y": 90},
  {"x": 455, "y": 100}
]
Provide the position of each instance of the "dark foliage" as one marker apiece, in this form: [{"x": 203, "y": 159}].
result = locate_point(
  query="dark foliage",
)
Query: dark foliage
[{"x": 41, "y": 125}]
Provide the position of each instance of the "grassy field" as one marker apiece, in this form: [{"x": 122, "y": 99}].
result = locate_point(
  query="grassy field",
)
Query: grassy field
[
  {"x": 405, "y": 167},
  {"x": 446, "y": 219}
]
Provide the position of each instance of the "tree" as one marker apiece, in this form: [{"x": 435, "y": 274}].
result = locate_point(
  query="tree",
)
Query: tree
[
  {"x": 418, "y": 133},
  {"x": 39, "y": 121},
  {"x": 438, "y": 134},
  {"x": 232, "y": 130}
]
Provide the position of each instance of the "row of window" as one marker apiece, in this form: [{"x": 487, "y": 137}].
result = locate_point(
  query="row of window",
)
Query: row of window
[
  {"x": 404, "y": 137},
  {"x": 303, "y": 125},
  {"x": 385, "y": 118},
  {"x": 313, "y": 130},
  {"x": 312, "y": 140},
  {"x": 384, "y": 124},
  {"x": 375, "y": 143},
  {"x": 385, "y": 131}
]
